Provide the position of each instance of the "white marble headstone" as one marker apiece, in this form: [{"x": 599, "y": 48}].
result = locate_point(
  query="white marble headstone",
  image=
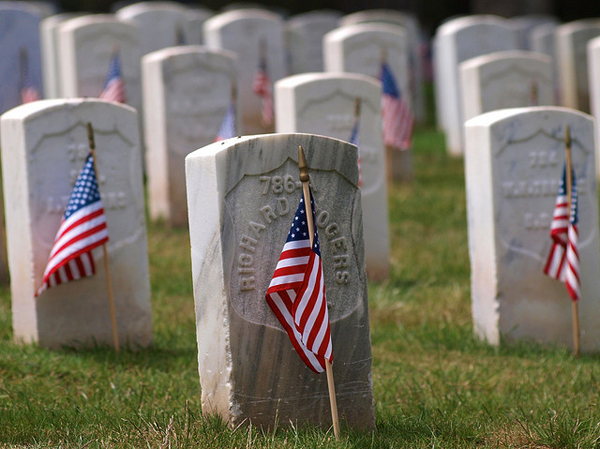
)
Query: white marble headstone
[
  {"x": 304, "y": 35},
  {"x": 44, "y": 147},
  {"x": 571, "y": 57},
  {"x": 242, "y": 195},
  {"x": 514, "y": 162},
  {"x": 506, "y": 79},
  {"x": 19, "y": 34},
  {"x": 593, "y": 54},
  {"x": 162, "y": 24},
  {"x": 527, "y": 23},
  {"x": 324, "y": 104},
  {"x": 458, "y": 40},
  {"x": 187, "y": 91},
  {"x": 195, "y": 18},
  {"x": 86, "y": 47},
  {"x": 243, "y": 31}
]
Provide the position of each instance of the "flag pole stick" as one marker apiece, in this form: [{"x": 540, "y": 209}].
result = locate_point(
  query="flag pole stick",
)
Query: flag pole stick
[
  {"x": 568, "y": 163},
  {"x": 303, "y": 167},
  {"x": 111, "y": 299}
]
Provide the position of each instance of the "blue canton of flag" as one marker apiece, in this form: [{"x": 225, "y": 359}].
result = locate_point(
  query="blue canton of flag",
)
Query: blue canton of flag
[
  {"x": 296, "y": 294},
  {"x": 355, "y": 140},
  {"x": 114, "y": 85},
  {"x": 398, "y": 119},
  {"x": 83, "y": 228}
]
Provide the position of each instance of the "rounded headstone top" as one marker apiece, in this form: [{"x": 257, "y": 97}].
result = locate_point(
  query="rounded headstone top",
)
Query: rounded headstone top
[
  {"x": 343, "y": 32},
  {"x": 455, "y": 25},
  {"x": 30, "y": 110},
  {"x": 137, "y": 9},
  {"x": 235, "y": 15},
  {"x": 380, "y": 15},
  {"x": 509, "y": 54},
  {"x": 493, "y": 117}
]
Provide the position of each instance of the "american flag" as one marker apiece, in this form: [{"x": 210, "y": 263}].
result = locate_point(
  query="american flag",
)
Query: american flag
[
  {"x": 227, "y": 129},
  {"x": 296, "y": 294},
  {"x": 29, "y": 92},
  {"x": 355, "y": 140},
  {"x": 262, "y": 87},
  {"x": 82, "y": 229},
  {"x": 114, "y": 86},
  {"x": 563, "y": 260},
  {"x": 398, "y": 119}
]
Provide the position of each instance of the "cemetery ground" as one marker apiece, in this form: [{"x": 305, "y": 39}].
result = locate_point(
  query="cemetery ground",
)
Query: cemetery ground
[{"x": 435, "y": 384}]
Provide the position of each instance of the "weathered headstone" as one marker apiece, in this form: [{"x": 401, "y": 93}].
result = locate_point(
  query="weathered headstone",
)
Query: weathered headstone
[
  {"x": 162, "y": 24},
  {"x": 506, "y": 79},
  {"x": 50, "y": 49},
  {"x": 458, "y": 40},
  {"x": 44, "y": 146},
  {"x": 87, "y": 45},
  {"x": 524, "y": 25},
  {"x": 248, "y": 33},
  {"x": 19, "y": 52},
  {"x": 514, "y": 162},
  {"x": 411, "y": 25},
  {"x": 571, "y": 57},
  {"x": 242, "y": 195},
  {"x": 304, "y": 35},
  {"x": 593, "y": 53},
  {"x": 187, "y": 92},
  {"x": 325, "y": 104}
]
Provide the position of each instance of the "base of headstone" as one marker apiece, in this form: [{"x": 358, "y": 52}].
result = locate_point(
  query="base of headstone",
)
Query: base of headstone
[{"x": 399, "y": 165}]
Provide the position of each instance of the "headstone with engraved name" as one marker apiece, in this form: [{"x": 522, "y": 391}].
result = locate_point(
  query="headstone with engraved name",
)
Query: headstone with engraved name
[
  {"x": 242, "y": 195},
  {"x": 514, "y": 162},
  {"x": 162, "y": 24},
  {"x": 44, "y": 146},
  {"x": 324, "y": 104},
  {"x": 304, "y": 35},
  {"x": 187, "y": 93},
  {"x": 248, "y": 33},
  {"x": 20, "y": 60},
  {"x": 87, "y": 45},
  {"x": 506, "y": 79},
  {"x": 456, "y": 41},
  {"x": 571, "y": 57}
]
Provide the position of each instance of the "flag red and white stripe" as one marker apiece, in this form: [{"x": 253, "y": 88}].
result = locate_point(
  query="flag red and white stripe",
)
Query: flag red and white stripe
[
  {"x": 262, "y": 86},
  {"x": 114, "y": 85},
  {"x": 296, "y": 294},
  {"x": 82, "y": 229},
  {"x": 398, "y": 119}
]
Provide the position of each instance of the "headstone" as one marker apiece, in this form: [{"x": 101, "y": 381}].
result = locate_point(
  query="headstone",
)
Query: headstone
[
  {"x": 304, "y": 35},
  {"x": 541, "y": 39},
  {"x": 196, "y": 17},
  {"x": 248, "y": 33},
  {"x": 411, "y": 25},
  {"x": 571, "y": 57},
  {"x": 242, "y": 195},
  {"x": 19, "y": 52},
  {"x": 44, "y": 146},
  {"x": 506, "y": 79},
  {"x": 324, "y": 104},
  {"x": 525, "y": 25},
  {"x": 87, "y": 45},
  {"x": 161, "y": 24},
  {"x": 514, "y": 162},
  {"x": 50, "y": 48},
  {"x": 593, "y": 53},
  {"x": 458, "y": 40},
  {"x": 187, "y": 92}
]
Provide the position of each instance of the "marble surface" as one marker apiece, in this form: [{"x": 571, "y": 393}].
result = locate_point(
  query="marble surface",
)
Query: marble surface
[
  {"x": 187, "y": 91},
  {"x": 593, "y": 54},
  {"x": 324, "y": 104},
  {"x": 44, "y": 146},
  {"x": 514, "y": 161},
  {"x": 242, "y": 194}
]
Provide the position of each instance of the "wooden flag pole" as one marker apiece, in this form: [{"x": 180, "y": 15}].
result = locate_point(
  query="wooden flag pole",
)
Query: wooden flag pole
[
  {"x": 111, "y": 299},
  {"x": 303, "y": 167},
  {"x": 569, "y": 165}
]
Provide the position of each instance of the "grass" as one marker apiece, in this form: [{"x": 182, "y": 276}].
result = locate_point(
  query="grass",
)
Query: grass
[{"x": 435, "y": 385}]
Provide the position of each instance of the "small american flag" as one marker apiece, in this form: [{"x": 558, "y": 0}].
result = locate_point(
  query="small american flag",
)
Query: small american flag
[
  {"x": 227, "y": 129},
  {"x": 296, "y": 294},
  {"x": 29, "y": 92},
  {"x": 114, "y": 86},
  {"x": 262, "y": 87},
  {"x": 355, "y": 140},
  {"x": 398, "y": 119},
  {"x": 563, "y": 260},
  {"x": 82, "y": 229}
]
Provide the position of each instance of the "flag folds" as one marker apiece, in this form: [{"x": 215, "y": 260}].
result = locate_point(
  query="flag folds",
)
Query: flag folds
[
  {"x": 262, "y": 86},
  {"x": 398, "y": 119},
  {"x": 563, "y": 260},
  {"x": 296, "y": 294},
  {"x": 227, "y": 129},
  {"x": 28, "y": 90},
  {"x": 114, "y": 86},
  {"x": 82, "y": 229}
]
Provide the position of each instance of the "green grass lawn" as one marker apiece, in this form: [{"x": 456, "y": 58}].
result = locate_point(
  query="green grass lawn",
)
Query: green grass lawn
[{"x": 435, "y": 385}]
